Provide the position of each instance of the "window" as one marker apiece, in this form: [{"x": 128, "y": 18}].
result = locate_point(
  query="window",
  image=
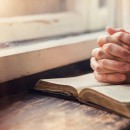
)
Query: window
[
  {"x": 37, "y": 39},
  {"x": 119, "y": 13},
  {"x": 46, "y": 18}
]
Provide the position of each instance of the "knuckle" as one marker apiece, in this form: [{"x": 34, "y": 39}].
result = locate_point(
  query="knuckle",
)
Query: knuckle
[
  {"x": 99, "y": 41},
  {"x": 128, "y": 38},
  {"x": 102, "y": 62},
  {"x": 103, "y": 76},
  {"x": 121, "y": 35},
  {"x": 124, "y": 67},
  {"x": 108, "y": 39},
  {"x": 118, "y": 42},
  {"x": 99, "y": 54},
  {"x": 124, "y": 36},
  {"x": 98, "y": 68},
  {"x": 94, "y": 52},
  {"x": 126, "y": 47},
  {"x": 119, "y": 66},
  {"x": 100, "y": 78},
  {"x": 97, "y": 77},
  {"x": 109, "y": 47},
  {"x": 123, "y": 53}
]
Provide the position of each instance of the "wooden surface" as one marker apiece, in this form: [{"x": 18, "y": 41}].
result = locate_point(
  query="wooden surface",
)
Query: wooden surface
[
  {"x": 41, "y": 26},
  {"x": 36, "y": 111},
  {"x": 37, "y": 56}
]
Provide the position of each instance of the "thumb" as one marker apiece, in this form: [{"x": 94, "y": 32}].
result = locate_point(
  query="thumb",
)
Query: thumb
[{"x": 111, "y": 31}]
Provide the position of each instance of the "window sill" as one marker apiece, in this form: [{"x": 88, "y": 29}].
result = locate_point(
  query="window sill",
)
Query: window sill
[{"x": 33, "y": 58}]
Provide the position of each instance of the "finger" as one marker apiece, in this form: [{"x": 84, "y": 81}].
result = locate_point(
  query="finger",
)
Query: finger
[
  {"x": 98, "y": 68},
  {"x": 107, "y": 39},
  {"x": 102, "y": 40},
  {"x": 99, "y": 54},
  {"x": 115, "y": 78},
  {"x": 124, "y": 37},
  {"x": 117, "y": 51},
  {"x": 116, "y": 66},
  {"x": 112, "y": 31}
]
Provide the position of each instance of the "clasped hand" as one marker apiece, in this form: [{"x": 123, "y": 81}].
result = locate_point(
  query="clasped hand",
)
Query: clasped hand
[{"x": 111, "y": 61}]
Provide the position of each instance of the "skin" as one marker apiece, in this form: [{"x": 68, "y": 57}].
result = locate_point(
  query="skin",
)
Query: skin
[{"x": 111, "y": 61}]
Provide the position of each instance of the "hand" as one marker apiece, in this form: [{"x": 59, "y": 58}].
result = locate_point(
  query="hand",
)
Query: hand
[
  {"x": 108, "y": 62},
  {"x": 121, "y": 47},
  {"x": 117, "y": 36},
  {"x": 108, "y": 69}
]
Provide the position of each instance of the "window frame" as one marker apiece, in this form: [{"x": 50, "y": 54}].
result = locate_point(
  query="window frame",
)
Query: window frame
[
  {"x": 21, "y": 61},
  {"x": 77, "y": 15}
]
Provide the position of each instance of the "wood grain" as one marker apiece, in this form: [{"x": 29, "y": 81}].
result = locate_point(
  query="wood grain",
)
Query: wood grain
[
  {"x": 40, "y": 111},
  {"x": 37, "y": 111}
]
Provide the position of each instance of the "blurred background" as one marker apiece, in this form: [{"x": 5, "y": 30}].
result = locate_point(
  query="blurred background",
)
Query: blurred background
[
  {"x": 30, "y": 27},
  {"x": 60, "y": 17}
]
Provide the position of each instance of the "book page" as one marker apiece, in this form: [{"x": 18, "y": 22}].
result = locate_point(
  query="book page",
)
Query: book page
[
  {"x": 78, "y": 82},
  {"x": 120, "y": 93}
]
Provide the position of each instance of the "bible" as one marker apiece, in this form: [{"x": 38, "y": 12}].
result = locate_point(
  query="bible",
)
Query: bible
[{"x": 86, "y": 89}]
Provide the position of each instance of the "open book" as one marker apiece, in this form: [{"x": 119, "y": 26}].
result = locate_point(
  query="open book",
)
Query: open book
[{"x": 86, "y": 89}]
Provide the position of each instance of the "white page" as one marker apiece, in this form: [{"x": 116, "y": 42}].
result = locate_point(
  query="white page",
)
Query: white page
[
  {"x": 120, "y": 93},
  {"x": 78, "y": 82}
]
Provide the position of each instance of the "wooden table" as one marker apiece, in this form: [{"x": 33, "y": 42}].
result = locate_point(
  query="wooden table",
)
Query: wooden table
[{"x": 34, "y": 110}]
